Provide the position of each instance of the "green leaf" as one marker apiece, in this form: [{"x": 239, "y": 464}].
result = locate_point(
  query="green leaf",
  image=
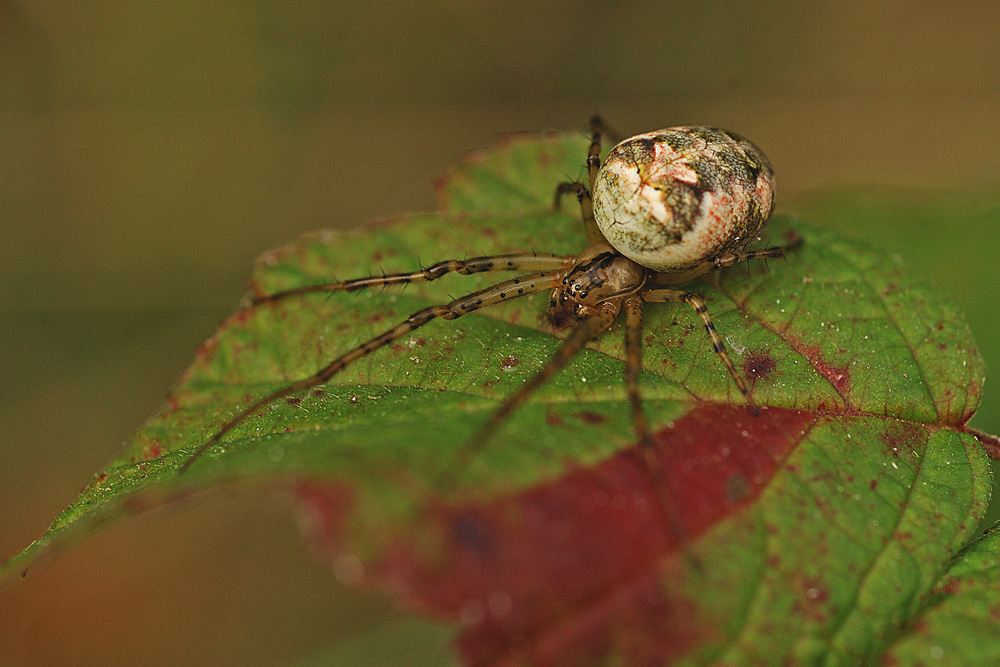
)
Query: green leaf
[
  {"x": 959, "y": 622},
  {"x": 813, "y": 532}
]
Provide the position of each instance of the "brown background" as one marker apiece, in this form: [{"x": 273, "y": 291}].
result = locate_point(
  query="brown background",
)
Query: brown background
[{"x": 149, "y": 150}]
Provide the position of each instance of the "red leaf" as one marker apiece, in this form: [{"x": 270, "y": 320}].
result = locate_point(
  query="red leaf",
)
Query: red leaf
[{"x": 572, "y": 568}]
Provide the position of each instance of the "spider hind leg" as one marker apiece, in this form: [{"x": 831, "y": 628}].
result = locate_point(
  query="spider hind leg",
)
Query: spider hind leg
[
  {"x": 718, "y": 346},
  {"x": 794, "y": 243}
]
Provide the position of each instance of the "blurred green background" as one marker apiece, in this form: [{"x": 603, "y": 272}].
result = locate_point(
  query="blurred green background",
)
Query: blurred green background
[{"x": 150, "y": 150}]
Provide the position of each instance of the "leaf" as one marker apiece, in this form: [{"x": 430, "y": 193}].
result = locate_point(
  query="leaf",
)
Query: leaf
[
  {"x": 814, "y": 532},
  {"x": 958, "y": 624}
]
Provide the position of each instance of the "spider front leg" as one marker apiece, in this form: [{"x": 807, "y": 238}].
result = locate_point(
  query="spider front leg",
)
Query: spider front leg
[
  {"x": 719, "y": 347},
  {"x": 513, "y": 262},
  {"x": 585, "y": 331},
  {"x": 505, "y": 291},
  {"x": 633, "y": 367}
]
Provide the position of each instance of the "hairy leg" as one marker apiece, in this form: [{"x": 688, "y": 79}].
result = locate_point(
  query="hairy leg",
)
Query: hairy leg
[
  {"x": 582, "y": 193},
  {"x": 586, "y": 209},
  {"x": 727, "y": 259},
  {"x": 513, "y": 262},
  {"x": 794, "y": 243},
  {"x": 584, "y": 332},
  {"x": 696, "y": 302},
  {"x": 505, "y": 291},
  {"x": 594, "y": 152},
  {"x": 633, "y": 366}
]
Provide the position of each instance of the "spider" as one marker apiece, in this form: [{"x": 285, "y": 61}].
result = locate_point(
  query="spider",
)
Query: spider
[{"x": 664, "y": 208}]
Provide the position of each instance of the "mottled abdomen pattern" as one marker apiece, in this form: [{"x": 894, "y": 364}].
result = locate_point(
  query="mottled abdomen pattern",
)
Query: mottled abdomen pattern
[{"x": 676, "y": 198}]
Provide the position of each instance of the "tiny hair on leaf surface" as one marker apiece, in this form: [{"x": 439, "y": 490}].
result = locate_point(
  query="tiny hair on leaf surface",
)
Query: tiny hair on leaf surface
[{"x": 838, "y": 525}]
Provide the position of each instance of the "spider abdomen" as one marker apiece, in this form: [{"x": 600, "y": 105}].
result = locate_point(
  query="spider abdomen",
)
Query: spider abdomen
[{"x": 677, "y": 198}]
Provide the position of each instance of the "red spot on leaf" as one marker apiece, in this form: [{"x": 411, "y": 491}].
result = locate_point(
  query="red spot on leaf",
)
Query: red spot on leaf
[
  {"x": 813, "y": 602},
  {"x": 758, "y": 365},
  {"x": 204, "y": 352},
  {"x": 950, "y": 587},
  {"x": 838, "y": 376},
  {"x": 588, "y": 417},
  {"x": 577, "y": 569},
  {"x": 243, "y": 316},
  {"x": 509, "y": 362}
]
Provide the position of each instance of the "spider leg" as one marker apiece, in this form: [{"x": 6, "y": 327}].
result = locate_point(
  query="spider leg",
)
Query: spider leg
[
  {"x": 505, "y": 291},
  {"x": 696, "y": 302},
  {"x": 727, "y": 259},
  {"x": 594, "y": 235},
  {"x": 633, "y": 366},
  {"x": 584, "y": 332},
  {"x": 586, "y": 208},
  {"x": 597, "y": 124},
  {"x": 513, "y": 262},
  {"x": 794, "y": 243},
  {"x": 594, "y": 152}
]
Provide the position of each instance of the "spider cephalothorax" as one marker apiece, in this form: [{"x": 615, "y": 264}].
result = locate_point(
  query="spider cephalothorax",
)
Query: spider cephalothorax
[
  {"x": 663, "y": 209},
  {"x": 599, "y": 275}
]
